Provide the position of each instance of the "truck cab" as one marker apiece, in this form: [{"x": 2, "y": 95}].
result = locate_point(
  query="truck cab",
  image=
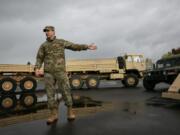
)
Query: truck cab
[
  {"x": 135, "y": 63},
  {"x": 134, "y": 67}
]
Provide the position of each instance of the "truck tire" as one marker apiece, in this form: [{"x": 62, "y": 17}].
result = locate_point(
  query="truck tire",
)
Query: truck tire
[
  {"x": 8, "y": 102},
  {"x": 148, "y": 85},
  {"x": 76, "y": 82},
  {"x": 131, "y": 80},
  {"x": 92, "y": 82},
  {"x": 8, "y": 85},
  {"x": 28, "y": 84},
  {"x": 123, "y": 82},
  {"x": 28, "y": 100}
]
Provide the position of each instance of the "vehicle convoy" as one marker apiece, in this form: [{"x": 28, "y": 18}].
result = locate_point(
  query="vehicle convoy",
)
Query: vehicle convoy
[
  {"x": 166, "y": 70},
  {"x": 18, "y": 82}
]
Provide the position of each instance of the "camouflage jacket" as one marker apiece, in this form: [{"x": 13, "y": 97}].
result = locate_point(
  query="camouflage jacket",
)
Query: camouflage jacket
[{"x": 53, "y": 56}]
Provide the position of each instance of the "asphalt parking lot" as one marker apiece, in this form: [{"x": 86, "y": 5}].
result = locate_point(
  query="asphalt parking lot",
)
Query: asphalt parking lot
[{"x": 130, "y": 115}]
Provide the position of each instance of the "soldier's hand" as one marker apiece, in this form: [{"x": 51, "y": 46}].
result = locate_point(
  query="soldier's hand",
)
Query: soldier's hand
[
  {"x": 38, "y": 73},
  {"x": 92, "y": 46}
]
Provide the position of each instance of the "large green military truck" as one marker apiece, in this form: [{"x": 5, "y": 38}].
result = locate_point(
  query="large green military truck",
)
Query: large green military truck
[
  {"x": 166, "y": 70},
  {"x": 129, "y": 69}
]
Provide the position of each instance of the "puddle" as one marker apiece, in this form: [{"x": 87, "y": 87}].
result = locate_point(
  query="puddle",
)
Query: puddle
[
  {"x": 83, "y": 101},
  {"x": 85, "y": 106},
  {"x": 163, "y": 102}
]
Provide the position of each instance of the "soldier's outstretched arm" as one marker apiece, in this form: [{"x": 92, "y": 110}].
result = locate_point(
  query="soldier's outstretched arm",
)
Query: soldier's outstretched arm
[
  {"x": 75, "y": 47},
  {"x": 39, "y": 57}
]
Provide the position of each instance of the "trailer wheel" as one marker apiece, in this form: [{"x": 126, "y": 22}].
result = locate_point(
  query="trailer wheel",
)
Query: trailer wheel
[
  {"x": 148, "y": 84},
  {"x": 28, "y": 84},
  {"x": 28, "y": 100},
  {"x": 92, "y": 82},
  {"x": 8, "y": 102},
  {"x": 131, "y": 80},
  {"x": 8, "y": 85},
  {"x": 76, "y": 82}
]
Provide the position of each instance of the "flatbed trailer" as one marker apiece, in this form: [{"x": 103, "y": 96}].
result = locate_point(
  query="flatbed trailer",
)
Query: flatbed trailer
[
  {"x": 18, "y": 96},
  {"x": 129, "y": 69}
]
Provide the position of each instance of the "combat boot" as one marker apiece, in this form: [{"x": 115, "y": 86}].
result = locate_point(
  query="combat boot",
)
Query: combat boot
[
  {"x": 53, "y": 118},
  {"x": 70, "y": 114}
]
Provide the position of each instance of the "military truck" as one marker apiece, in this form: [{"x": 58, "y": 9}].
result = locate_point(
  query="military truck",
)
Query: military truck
[
  {"x": 17, "y": 85},
  {"x": 165, "y": 70},
  {"x": 18, "y": 82},
  {"x": 128, "y": 68}
]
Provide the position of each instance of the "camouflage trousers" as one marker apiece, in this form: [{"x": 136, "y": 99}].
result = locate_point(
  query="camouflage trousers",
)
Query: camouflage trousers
[{"x": 62, "y": 81}]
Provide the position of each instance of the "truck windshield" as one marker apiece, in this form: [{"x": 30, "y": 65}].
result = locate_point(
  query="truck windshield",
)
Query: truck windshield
[
  {"x": 160, "y": 65},
  {"x": 166, "y": 63},
  {"x": 138, "y": 59}
]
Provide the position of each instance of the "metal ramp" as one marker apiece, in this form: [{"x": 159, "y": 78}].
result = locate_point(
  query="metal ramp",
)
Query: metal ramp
[{"x": 174, "y": 90}]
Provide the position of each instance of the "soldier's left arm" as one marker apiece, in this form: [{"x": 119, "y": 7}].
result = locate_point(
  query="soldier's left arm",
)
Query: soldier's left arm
[{"x": 75, "y": 47}]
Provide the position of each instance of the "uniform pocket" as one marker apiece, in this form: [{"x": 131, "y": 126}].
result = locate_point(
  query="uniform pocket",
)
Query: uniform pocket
[
  {"x": 48, "y": 65},
  {"x": 59, "y": 61}
]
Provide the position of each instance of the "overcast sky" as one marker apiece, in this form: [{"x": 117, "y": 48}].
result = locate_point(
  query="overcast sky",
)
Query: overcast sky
[{"x": 116, "y": 26}]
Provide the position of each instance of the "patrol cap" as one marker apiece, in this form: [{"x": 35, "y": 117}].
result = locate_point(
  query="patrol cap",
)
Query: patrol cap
[{"x": 48, "y": 28}]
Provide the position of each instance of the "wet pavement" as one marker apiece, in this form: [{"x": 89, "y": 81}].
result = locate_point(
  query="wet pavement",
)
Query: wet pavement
[{"x": 130, "y": 115}]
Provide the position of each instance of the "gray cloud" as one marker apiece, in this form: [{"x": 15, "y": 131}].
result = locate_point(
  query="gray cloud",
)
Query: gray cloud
[{"x": 116, "y": 26}]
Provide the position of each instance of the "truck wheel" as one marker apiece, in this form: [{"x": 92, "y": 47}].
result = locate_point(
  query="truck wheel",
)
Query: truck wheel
[
  {"x": 148, "y": 85},
  {"x": 28, "y": 84},
  {"x": 28, "y": 100},
  {"x": 92, "y": 82},
  {"x": 8, "y": 102},
  {"x": 76, "y": 82},
  {"x": 131, "y": 80},
  {"x": 123, "y": 82},
  {"x": 8, "y": 85}
]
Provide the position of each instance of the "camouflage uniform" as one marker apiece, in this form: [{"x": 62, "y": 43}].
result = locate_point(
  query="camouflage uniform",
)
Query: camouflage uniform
[{"x": 52, "y": 54}]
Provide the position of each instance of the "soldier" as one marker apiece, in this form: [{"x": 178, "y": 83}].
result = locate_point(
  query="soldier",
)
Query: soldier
[{"x": 51, "y": 53}]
